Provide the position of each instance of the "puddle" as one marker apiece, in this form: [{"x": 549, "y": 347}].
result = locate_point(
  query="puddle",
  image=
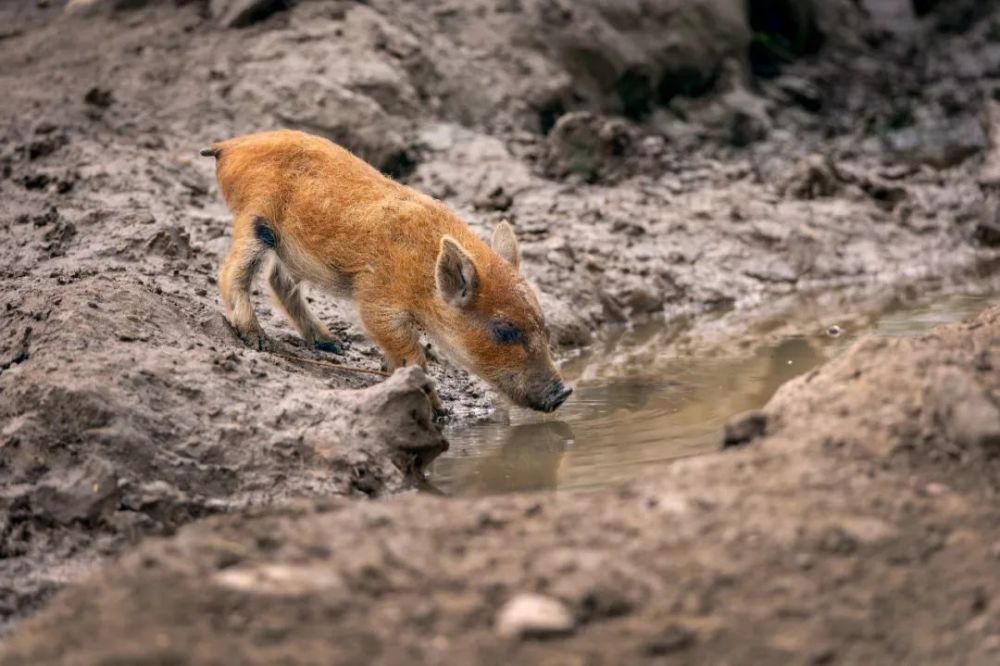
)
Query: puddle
[{"x": 648, "y": 396}]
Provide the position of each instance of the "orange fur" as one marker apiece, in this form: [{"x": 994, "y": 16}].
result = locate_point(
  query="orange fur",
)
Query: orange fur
[{"x": 345, "y": 227}]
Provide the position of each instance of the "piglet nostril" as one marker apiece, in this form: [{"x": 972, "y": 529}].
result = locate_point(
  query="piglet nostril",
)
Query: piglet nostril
[{"x": 558, "y": 394}]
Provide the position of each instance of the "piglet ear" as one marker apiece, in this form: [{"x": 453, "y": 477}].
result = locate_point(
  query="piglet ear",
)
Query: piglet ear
[
  {"x": 456, "y": 276},
  {"x": 505, "y": 244}
]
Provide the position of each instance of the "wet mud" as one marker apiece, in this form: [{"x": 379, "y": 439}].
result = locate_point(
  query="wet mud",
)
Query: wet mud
[
  {"x": 857, "y": 524},
  {"x": 708, "y": 156}
]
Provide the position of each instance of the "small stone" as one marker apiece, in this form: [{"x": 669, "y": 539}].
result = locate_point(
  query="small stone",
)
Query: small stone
[
  {"x": 78, "y": 5},
  {"x": 587, "y": 146},
  {"x": 744, "y": 428},
  {"x": 935, "y": 489},
  {"x": 101, "y": 98},
  {"x": 533, "y": 615}
]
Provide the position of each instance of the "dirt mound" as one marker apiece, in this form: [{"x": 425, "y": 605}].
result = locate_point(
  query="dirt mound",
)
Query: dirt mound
[
  {"x": 887, "y": 551},
  {"x": 128, "y": 412}
]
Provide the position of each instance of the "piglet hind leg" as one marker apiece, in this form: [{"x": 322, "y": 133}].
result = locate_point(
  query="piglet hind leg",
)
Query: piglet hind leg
[
  {"x": 287, "y": 293},
  {"x": 246, "y": 255}
]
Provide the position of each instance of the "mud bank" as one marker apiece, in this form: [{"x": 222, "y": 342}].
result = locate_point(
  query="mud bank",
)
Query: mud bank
[
  {"x": 858, "y": 525},
  {"x": 651, "y": 168}
]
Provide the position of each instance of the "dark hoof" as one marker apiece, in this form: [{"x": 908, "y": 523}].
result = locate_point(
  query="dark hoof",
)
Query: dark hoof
[{"x": 328, "y": 346}]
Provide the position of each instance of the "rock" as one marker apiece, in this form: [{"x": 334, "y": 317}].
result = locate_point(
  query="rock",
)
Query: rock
[
  {"x": 586, "y": 145},
  {"x": 100, "y": 98},
  {"x": 534, "y": 616},
  {"x": 744, "y": 428},
  {"x": 92, "y": 6},
  {"x": 79, "y": 5},
  {"x": 241, "y": 13}
]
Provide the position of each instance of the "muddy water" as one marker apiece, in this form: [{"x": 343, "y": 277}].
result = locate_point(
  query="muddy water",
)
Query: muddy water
[{"x": 648, "y": 396}]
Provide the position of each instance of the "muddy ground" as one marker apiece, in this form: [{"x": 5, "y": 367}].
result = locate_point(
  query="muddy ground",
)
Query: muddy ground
[
  {"x": 858, "y": 525},
  {"x": 710, "y": 155}
]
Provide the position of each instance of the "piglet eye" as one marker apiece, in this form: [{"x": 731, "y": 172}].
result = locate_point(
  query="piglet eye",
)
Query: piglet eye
[{"x": 505, "y": 334}]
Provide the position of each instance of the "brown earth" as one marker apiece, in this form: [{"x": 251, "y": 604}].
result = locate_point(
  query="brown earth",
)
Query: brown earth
[
  {"x": 859, "y": 528},
  {"x": 706, "y": 155}
]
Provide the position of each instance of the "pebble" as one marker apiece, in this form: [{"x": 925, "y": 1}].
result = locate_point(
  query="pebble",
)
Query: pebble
[
  {"x": 534, "y": 615},
  {"x": 935, "y": 489},
  {"x": 744, "y": 428}
]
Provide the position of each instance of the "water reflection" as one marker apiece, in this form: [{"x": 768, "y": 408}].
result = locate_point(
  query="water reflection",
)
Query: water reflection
[
  {"x": 645, "y": 397},
  {"x": 527, "y": 458}
]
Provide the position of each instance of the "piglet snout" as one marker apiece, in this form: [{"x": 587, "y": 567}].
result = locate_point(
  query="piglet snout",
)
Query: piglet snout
[{"x": 555, "y": 396}]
